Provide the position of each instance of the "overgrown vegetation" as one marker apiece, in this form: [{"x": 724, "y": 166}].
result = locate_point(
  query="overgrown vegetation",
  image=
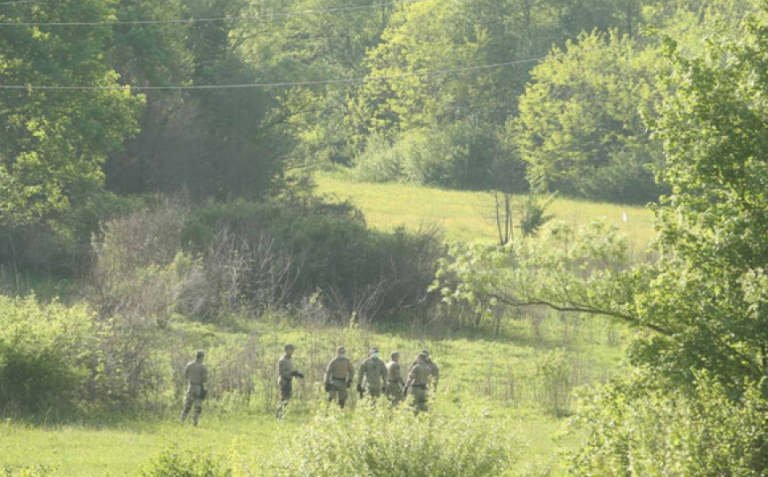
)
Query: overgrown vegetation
[
  {"x": 228, "y": 250},
  {"x": 637, "y": 427}
]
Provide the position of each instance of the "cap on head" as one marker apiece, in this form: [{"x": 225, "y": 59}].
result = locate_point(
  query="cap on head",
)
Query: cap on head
[
  {"x": 422, "y": 357},
  {"x": 375, "y": 349},
  {"x": 200, "y": 354},
  {"x": 425, "y": 351},
  {"x": 394, "y": 355},
  {"x": 288, "y": 347},
  {"x": 341, "y": 350}
]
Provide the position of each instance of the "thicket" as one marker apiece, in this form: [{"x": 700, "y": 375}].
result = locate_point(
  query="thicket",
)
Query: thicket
[
  {"x": 280, "y": 255},
  {"x": 375, "y": 440},
  {"x": 56, "y": 360},
  {"x": 459, "y": 156},
  {"x": 638, "y": 428},
  {"x": 45, "y": 355}
]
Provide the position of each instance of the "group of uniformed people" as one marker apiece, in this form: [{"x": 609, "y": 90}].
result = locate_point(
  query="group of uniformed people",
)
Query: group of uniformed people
[{"x": 374, "y": 378}]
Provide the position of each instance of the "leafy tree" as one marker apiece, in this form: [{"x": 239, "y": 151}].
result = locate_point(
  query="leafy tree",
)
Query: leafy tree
[
  {"x": 704, "y": 300},
  {"x": 581, "y": 128},
  {"x": 55, "y": 141},
  {"x": 331, "y": 42},
  {"x": 435, "y": 35},
  {"x": 156, "y": 55}
]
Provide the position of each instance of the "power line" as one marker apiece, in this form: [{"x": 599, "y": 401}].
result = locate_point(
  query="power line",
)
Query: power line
[
  {"x": 24, "y": 1},
  {"x": 205, "y": 20},
  {"x": 363, "y": 79}
]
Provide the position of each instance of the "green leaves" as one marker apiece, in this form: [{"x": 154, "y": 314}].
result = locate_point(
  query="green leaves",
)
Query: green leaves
[
  {"x": 580, "y": 271},
  {"x": 580, "y": 127},
  {"x": 379, "y": 440},
  {"x": 56, "y": 141}
]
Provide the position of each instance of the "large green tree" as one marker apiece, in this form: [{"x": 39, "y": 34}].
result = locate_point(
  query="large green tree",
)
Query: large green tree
[
  {"x": 316, "y": 40},
  {"x": 581, "y": 127},
  {"x": 55, "y": 141},
  {"x": 703, "y": 301}
]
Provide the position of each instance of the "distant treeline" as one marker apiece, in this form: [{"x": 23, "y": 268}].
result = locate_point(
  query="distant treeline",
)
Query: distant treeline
[{"x": 458, "y": 96}]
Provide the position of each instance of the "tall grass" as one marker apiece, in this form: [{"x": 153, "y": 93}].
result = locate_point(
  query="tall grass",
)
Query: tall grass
[{"x": 523, "y": 376}]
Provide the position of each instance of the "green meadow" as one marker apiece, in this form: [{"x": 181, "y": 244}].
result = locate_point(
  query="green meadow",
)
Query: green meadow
[
  {"x": 523, "y": 378},
  {"x": 470, "y": 216}
]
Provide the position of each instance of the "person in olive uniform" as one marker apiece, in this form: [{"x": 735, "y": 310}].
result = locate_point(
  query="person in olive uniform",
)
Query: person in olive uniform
[
  {"x": 432, "y": 366},
  {"x": 197, "y": 375},
  {"x": 395, "y": 381},
  {"x": 418, "y": 379},
  {"x": 338, "y": 377},
  {"x": 373, "y": 374},
  {"x": 286, "y": 373}
]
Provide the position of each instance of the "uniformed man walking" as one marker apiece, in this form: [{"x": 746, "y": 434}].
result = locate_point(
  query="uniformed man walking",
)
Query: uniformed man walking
[
  {"x": 395, "y": 381},
  {"x": 338, "y": 376},
  {"x": 373, "y": 375},
  {"x": 286, "y": 373},
  {"x": 432, "y": 366},
  {"x": 418, "y": 379},
  {"x": 197, "y": 375}
]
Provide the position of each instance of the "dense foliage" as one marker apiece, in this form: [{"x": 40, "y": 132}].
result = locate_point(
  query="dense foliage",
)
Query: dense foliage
[
  {"x": 581, "y": 127},
  {"x": 376, "y": 441},
  {"x": 398, "y": 443},
  {"x": 44, "y": 355},
  {"x": 701, "y": 303},
  {"x": 638, "y": 428}
]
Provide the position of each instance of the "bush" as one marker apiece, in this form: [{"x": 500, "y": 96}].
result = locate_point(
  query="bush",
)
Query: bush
[
  {"x": 61, "y": 245},
  {"x": 457, "y": 156},
  {"x": 383, "y": 160},
  {"x": 282, "y": 254},
  {"x": 43, "y": 354},
  {"x": 138, "y": 272},
  {"x": 174, "y": 463},
  {"x": 379, "y": 441},
  {"x": 626, "y": 180},
  {"x": 554, "y": 376},
  {"x": 640, "y": 429}
]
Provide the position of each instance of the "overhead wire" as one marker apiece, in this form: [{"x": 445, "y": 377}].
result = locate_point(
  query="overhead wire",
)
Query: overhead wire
[
  {"x": 24, "y": 1},
  {"x": 191, "y": 20},
  {"x": 361, "y": 79}
]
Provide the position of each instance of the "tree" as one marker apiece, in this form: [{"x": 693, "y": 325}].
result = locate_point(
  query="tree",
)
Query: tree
[
  {"x": 56, "y": 141},
  {"x": 581, "y": 127},
  {"x": 149, "y": 55},
  {"x": 433, "y": 36},
  {"x": 316, "y": 40},
  {"x": 703, "y": 302}
]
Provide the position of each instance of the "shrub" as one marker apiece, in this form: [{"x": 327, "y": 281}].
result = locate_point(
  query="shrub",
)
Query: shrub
[
  {"x": 640, "y": 429},
  {"x": 61, "y": 245},
  {"x": 380, "y": 441},
  {"x": 625, "y": 179},
  {"x": 281, "y": 254},
  {"x": 137, "y": 274},
  {"x": 174, "y": 463},
  {"x": 456, "y": 156},
  {"x": 43, "y": 351},
  {"x": 383, "y": 160},
  {"x": 554, "y": 376}
]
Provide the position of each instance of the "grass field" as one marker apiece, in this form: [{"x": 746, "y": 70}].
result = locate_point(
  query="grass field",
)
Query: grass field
[
  {"x": 469, "y": 216},
  {"x": 524, "y": 377},
  {"x": 512, "y": 375}
]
